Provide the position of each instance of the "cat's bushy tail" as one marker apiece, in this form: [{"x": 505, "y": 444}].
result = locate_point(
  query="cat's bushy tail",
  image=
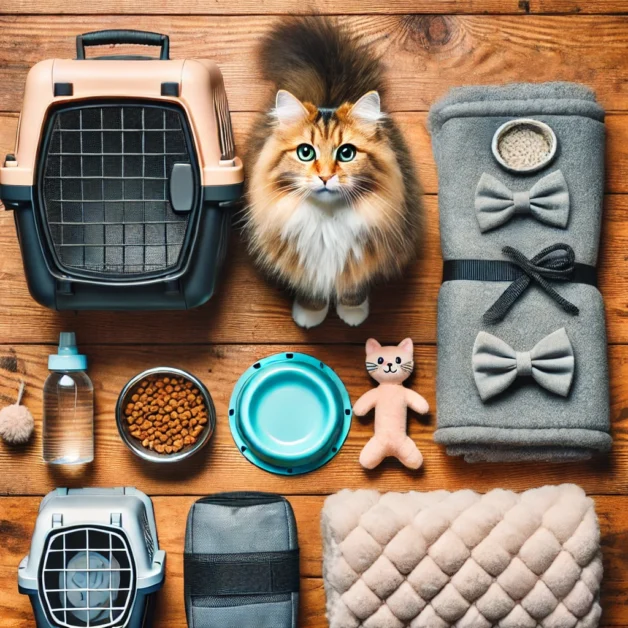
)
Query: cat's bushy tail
[{"x": 319, "y": 61}]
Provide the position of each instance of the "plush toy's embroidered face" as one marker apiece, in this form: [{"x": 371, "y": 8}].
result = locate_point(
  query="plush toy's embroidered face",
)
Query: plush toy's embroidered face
[{"x": 389, "y": 365}]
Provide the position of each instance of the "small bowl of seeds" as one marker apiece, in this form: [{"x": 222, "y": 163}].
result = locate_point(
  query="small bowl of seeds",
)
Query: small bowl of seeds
[
  {"x": 165, "y": 415},
  {"x": 524, "y": 145}
]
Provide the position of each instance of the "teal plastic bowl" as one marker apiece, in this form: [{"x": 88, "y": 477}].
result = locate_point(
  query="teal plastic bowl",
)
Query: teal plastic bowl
[{"x": 289, "y": 413}]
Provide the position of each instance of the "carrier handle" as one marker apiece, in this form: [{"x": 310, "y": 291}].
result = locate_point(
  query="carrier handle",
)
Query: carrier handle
[{"x": 106, "y": 37}]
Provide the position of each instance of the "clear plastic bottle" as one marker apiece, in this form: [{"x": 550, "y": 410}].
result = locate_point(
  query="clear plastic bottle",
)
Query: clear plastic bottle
[{"x": 68, "y": 406}]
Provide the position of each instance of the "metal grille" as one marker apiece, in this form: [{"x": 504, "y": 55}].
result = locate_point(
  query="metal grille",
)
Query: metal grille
[
  {"x": 87, "y": 578},
  {"x": 106, "y": 189}
]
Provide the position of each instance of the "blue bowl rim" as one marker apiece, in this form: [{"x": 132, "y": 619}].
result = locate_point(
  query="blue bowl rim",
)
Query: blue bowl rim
[{"x": 334, "y": 380}]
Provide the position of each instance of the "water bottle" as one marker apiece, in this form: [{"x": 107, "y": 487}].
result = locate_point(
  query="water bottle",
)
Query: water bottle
[{"x": 68, "y": 406}]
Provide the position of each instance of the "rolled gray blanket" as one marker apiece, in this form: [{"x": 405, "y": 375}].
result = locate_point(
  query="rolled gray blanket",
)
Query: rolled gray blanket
[
  {"x": 522, "y": 365},
  {"x": 462, "y": 127},
  {"x": 525, "y": 421}
]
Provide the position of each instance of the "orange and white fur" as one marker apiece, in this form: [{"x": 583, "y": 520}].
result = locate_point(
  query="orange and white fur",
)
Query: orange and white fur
[
  {"x": 390, "y": 367},
  {"x": 333, "y": 201}
]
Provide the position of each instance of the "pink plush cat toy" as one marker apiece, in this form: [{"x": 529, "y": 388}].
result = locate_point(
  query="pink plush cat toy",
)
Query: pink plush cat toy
[{"x": 390, "y": 367}]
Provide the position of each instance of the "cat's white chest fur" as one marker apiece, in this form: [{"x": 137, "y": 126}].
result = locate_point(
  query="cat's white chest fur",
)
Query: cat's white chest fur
[{"x": 325, "y": 234}]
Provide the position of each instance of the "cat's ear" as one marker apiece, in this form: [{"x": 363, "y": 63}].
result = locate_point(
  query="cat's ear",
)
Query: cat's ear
[
  {"x": 372, "y": 346},
  {"x": 288, "y": 108},
  {"x": 407, "y": 345},
  {"x": 367, "y": 108}
]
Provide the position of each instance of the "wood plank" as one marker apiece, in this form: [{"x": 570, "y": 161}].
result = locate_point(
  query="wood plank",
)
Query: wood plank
[
  {"x": 575, "y": 6},
  {"x": 320, "y": 7},
  {"x": 414, "y": 128},
  {"x": 19, "y": 514},
  {"x": 426, "y": 55},
  {"x": 270, "y": 7},
  {"x": 247, "y": 309},
  {"x": 222, "y": 467}
]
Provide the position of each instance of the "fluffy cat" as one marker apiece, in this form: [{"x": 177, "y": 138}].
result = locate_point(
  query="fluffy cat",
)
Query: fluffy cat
[{"x": 334, "y": 204}]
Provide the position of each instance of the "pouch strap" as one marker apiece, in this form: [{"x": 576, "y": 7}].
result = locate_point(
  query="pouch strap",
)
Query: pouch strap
[{"x": 242, "y": 574}]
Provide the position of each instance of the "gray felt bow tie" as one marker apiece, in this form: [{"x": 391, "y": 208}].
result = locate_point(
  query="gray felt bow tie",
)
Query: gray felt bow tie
[
  {"x": 496, "y": 364},
  {"x": 547, "y": 201}
]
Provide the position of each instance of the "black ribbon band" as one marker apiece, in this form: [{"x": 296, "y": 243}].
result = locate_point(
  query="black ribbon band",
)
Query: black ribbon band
[
  {"x": 554, "y": 263},
  {"x": 242, "y": 574},
  {"x": 501, "y": 270}
]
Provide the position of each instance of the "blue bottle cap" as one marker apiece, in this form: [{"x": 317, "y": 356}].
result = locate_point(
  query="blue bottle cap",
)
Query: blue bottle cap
[{"x": 67, "y": 357}]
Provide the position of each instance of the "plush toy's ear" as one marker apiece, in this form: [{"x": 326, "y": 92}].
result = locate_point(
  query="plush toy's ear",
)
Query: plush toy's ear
[
  {"x": 368, "y": 108},
  {"x": 407, "y": 345},
  {"x": 372, "y": 345},
  {"x": 288, "y": 108}
]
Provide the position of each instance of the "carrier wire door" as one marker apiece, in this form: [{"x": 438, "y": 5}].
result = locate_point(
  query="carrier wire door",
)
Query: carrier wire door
[
  {"x": 87, "y": 578},
  {"x": 105, "y": 190}
]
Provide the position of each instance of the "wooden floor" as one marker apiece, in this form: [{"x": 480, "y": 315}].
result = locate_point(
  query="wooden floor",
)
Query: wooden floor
[{"x": 428, "y": 46}]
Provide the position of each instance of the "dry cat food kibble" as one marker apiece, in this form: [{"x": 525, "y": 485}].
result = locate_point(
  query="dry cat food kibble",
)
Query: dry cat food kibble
[
  {"x": 523, "y": 146},
  {"x": 166, "y": 414}
]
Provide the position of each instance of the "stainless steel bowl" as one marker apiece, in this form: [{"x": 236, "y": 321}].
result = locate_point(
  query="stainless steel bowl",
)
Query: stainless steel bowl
[{"x": 134, "y": 445}]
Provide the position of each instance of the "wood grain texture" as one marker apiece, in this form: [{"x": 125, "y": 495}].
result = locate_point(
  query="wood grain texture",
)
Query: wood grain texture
[
  {"x": 17, "y": 518},
  {"x": 247, "y": 309},
  {"x": 269, "y": 7},
  {"x": 414, "y": 127},
  {"x": 425, "y": 55},
  {"x": 220, "y": 466},
  {"x": 428, "y": 47},
  {"x": 577, "y": 6},
  {"x": 320, "y": 7}
]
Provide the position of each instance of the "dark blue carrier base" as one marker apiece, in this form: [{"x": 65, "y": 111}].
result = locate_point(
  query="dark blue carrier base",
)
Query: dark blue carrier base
[
  {"x": 193, "y": 288},
  {"x": 142, "y": 615}
]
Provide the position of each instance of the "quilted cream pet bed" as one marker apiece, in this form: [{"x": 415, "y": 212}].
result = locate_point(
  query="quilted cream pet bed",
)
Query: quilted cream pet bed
[{"x": 439, "y": 559}]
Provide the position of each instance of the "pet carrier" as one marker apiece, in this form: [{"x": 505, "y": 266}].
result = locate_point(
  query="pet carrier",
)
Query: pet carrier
[
  {"x": 94, "y": 560},
  {"x": 122, "y": 178}
]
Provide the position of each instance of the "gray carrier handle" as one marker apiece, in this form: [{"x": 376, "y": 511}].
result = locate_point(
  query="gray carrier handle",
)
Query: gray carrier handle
[{"x": 108, "y": 37}]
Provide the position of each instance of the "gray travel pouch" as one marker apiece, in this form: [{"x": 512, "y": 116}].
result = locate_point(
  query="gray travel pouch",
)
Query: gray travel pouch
[{"x": 241, "y": 563}]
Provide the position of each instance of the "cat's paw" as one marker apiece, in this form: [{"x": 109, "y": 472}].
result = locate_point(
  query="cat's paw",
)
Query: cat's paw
[
  {"x": 308, "y": 318},
  {"x": 353, "y": 315}
]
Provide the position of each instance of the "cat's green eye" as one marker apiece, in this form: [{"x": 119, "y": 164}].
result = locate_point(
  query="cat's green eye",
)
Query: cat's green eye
[
  {"x": 306, "y": 152},
  {"x": 346, "y": 152}
]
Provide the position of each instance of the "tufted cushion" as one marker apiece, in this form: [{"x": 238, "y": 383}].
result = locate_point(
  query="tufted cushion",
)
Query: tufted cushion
[{"x": 439, "y": 559}]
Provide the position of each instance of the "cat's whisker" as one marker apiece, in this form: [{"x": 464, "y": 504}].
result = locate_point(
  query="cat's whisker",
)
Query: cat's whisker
[{"x": 268, "y": 201}]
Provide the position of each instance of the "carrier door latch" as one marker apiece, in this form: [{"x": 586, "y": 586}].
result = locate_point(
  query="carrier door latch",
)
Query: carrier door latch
[{"x": 182, "y": 187}]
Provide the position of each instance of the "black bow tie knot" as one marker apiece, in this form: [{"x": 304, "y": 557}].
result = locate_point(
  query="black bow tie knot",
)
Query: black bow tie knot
[{"x": 555, "y": 263}]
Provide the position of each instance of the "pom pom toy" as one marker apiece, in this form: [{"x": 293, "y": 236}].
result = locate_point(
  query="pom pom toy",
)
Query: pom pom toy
[
  {"x": 16, "y": 421},
  {"x": 390, "y": 367}
]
